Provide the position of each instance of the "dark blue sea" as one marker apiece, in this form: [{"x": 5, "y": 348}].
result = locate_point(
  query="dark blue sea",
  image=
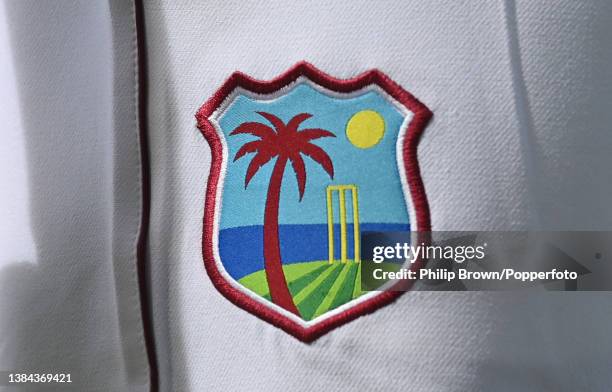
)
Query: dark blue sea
[{"x": 241, "y": 248}]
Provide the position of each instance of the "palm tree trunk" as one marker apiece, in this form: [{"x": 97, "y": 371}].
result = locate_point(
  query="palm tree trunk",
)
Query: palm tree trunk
[{"x": 279, "y": 291}]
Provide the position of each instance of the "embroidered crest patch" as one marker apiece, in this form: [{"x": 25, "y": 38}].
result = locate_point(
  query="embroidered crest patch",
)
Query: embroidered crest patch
[{"x": 301, "y": 165}]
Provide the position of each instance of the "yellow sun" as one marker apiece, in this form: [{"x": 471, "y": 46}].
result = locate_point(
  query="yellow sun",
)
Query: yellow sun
[{"x": 365, "y": 129}]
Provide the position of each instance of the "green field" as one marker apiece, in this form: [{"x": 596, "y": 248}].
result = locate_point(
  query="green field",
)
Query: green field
[{"x": 316, "y": 286}]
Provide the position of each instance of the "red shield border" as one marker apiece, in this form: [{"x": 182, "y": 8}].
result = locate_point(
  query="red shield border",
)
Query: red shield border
[{"x": 412, "y": 135}]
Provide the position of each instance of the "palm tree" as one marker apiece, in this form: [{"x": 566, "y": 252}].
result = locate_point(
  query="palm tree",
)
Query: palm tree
[{"x": 286, "y": 144}]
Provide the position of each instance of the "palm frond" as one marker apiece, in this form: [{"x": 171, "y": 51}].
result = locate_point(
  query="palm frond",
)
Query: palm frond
[
  {"x": 257, "y": 162},
  {"x": 314, "y": 133},
  {"x": 300, "y": 172},
  {"x": 295, "y": 122},
  {"x": 248, "y": 148},
  {"x": 318, "y": 155},
  {"x": 275, "y": 121},
  {"x": 254, "y": 128}
]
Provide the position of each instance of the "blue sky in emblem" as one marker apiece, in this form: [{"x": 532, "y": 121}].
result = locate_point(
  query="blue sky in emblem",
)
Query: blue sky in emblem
[{"x": 373, "y": 170}]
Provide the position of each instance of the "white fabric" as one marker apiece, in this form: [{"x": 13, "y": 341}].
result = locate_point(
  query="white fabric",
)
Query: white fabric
[
  {"x": 70, "y": 194},
  {"x": 520, "y": 139}
]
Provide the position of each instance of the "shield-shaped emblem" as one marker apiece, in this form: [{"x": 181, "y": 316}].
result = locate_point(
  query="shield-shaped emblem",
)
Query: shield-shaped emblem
[{"x": 301, "y": 166}]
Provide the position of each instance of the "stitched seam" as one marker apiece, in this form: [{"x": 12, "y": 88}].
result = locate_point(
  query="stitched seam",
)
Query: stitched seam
[{"x": 135, "y": 297}]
